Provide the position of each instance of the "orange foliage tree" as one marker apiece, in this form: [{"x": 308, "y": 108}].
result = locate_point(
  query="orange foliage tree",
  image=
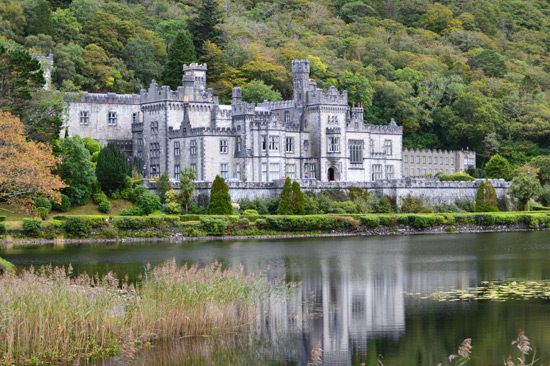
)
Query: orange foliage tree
[{"x": 25, "y": 167}]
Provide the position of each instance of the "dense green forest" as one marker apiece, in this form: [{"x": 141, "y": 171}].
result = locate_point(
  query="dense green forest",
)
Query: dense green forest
[{"x": 455, "y": 74}]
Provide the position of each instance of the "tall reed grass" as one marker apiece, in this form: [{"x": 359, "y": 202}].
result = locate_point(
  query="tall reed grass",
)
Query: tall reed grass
[{"x": 48, "y": 315}]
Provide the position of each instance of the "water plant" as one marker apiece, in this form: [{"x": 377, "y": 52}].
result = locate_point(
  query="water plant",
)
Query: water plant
[{"x": 49, "y": 315}]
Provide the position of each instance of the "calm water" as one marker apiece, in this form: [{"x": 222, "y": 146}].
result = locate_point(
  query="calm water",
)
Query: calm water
[{"x": 355, "y": 291}]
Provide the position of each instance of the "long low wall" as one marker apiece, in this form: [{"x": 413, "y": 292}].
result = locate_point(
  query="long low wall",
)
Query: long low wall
[{"x": 433, "y": 191}]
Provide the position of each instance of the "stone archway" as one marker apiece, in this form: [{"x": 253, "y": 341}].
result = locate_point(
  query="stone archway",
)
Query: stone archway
[{"x": 330, "y": 174}]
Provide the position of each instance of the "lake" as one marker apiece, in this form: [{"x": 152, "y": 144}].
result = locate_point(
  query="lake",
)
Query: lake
[{"x": 362, "y": 299}]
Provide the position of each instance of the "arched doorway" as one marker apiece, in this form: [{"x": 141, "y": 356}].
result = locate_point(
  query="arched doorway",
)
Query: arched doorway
[{"x": 330, "y": 174}]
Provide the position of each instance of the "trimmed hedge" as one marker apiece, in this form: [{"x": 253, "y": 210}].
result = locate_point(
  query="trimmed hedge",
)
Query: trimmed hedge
[
  {"x": 32, "y": 226},
  {"x": 141, "y": 222},
  {"x": 213, "y": 226},
  {"x": 371, "y": 221}
]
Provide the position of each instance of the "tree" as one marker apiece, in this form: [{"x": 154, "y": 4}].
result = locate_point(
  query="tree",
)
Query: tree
[
  {"x": 66, "y": 26},
  {"x": 359, "y": 88},
  {"x": 138, "y": 55},
  {"x": 25, "y": 166},
  {"x": 486, "y": 197},
  {"x": 83, "y": 10},
  {"x": 256, "y": 92},
  {"x": 298, "y": 204},
  {"x": 187, "y": 187},
  {"x": 181, "y": 51},
  {"x": 41, "y": 20},
  {"x": 498, "y": 167},
  {"x": 112, "y": 168},
  {"x": 542, "y": 163},
  {"x": 492, "y": 63},
  {"x": 76, "y": 170},
  {"x": 286, "y": 198},
  {"x": 163, "y": 186},
  {"x": 439, "y": 19},
  {"x": 525, "y": 186},
  {"x": 220, "y": 200},
  {"x": 206, "y": 24}
]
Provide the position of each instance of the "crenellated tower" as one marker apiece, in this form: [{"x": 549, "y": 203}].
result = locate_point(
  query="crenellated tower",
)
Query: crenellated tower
[{"x": 300, "y": 75}]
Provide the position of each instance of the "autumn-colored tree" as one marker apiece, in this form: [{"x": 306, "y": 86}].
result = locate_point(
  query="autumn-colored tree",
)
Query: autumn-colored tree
[{"x": 26, "y": 167}]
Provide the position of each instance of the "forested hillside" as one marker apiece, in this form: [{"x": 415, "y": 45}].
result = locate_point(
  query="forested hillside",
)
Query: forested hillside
[{"x": 455, "y": 74}]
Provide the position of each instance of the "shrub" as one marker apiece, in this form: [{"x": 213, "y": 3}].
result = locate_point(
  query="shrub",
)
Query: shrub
[
  {"x": 506, "y": 219},
  {"x": 383, "y": 205},
  {"x": 112, "y": 168},
  {"x": 486, "y": 197},
  {"x": 192, "y": 232},
  {"x": 530, "y": 220},
  {"x": 104, "y": 206},
  {"x": 2, "y": 228},
  {"x": 76, "y": 226},
  {"x": 544, "y": 197},
  {"x": 386, "y": 220},
  {"x": 464, "y": 219},
  {"x": 250, "y": 212},
  {"x": 220, "y": 200},
  {"x": 411, "y": 204},
  {"x": 451, "y": 229},
  {"x": 148, "y": 203},
  {"x": 99, "y": 197},
  {"x": 213, "y": 226},
  {"x": 261, "y": 223},
  {"x": 244, "y": 223},
  {"x": 65, "y": 204},
  {"x": 419, "y": 222},
  {"x": 172, "y": 208},
  {"x": 465, "y": 205},
  {"x": 370, "y": 221},
  {"x": 484, "y": 219},
  {"x": 32, "y": 226},
  {"x": 40, "y": 202},
  {"x": 132, "y": 211},
  {"x": 138, "y": 192},
  {"x": 126, "y": 193},
  {"x": 456, "y": 177},
  {"x": 41, "y": 212},
  {"x": 498, "y": 167},
  {"x": 2, "y": 218},
  {"x": 403, "y": 220}
]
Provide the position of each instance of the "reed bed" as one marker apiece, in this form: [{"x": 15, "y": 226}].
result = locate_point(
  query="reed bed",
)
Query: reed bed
[{"x": 50, "y": 316}]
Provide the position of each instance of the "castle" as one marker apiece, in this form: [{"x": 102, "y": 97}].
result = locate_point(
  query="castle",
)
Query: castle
[{"x": 315, "y": 136}]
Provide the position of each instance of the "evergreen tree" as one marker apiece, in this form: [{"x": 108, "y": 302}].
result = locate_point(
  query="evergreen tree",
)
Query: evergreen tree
[
  {"x": 163, "y": 186},
  {"x": 205, "y": 26},
  {"x": 187, "y": 187},
  {"x": 76, "y": 170},
  {"x": 498, "y": 167},
  {"x": 112, "y": 168},
  {"x": 181, "y": 51},
  {"x": 285, "y": 206},
  {"x": 486, "y": 197},
  {"x": 220, "y": 200},
  {"x": 41, "y": 20},
  {"x": 298, "y": 204}
]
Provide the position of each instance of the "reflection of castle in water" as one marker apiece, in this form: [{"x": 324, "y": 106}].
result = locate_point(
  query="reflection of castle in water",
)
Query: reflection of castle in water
[{"x": 355, "y": 298}]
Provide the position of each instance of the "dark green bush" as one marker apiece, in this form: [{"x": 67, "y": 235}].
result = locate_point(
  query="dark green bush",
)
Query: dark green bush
[
  {"x": 138, "y": 192},
  {"x": 370, "y": 221},
  {"x": 261, "y": 223},
  {"x": 403, "y": 220},
  {"x": 128, "y": 222},
  {"x": 2, "y": 218},
  {"x": 244, "y": 223},
  {"x": 148, "y": 203},
  {"x": 464, "y": 219},
  {"x": 506, "y": 219},
  {"x": 530, "y": 220},
  {"x": 40, "y": 202},
  {"x": 192, "y": 232},
  {"x": 213, "y": 226},
  {"x": 386, "y": 220},
  {"x": 2, "y": 228},
  {"x": 186, "y": 218},
  {"x": 76, "y": 226},
  {"x": 99, "y": 197},
  {"x": 410, "y": 204},
  {"x": 132, "y": 211},
  {"x": 484, "y": 219},
  {"x": 104, "y": 206},
  {"x": 32, "y": 226},
  {"x": 65, "y": 204},
  {"x": 250, "y": 212},
  {"x": 419, "y": 221},
  {"x": 41, "y": 212}
]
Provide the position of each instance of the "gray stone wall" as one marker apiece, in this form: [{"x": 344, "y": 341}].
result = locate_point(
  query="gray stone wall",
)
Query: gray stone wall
[{"x": 433, "y": 191}]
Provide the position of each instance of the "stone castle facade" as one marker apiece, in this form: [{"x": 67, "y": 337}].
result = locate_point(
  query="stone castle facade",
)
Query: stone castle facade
[
  {"x": 424, "y": 162},
  {"x": 316, "y": 135}
]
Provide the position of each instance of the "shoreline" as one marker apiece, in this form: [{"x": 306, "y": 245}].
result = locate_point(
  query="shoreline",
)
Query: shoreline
[{"x": 378, "y": 231}]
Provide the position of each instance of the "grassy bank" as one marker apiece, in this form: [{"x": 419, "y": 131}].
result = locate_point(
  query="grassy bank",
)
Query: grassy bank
[
  {"x": 49, "y": 316},
  {"x": 102, "y": 226}
]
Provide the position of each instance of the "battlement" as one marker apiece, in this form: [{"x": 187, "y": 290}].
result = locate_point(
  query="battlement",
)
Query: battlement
[
  {"x": 195, "y": 66},
  {"x": 45, "y": 59},
  {"x": 407, "y": 150},
  {"x": 331, "y": 97},
  {"x": 300, "y": 66},
  {"x": 285, "y": 104},
  {"x": 243, "y": 108},
  {"x": 391, "y": 128},
  {"x": 105, "y": 98}
]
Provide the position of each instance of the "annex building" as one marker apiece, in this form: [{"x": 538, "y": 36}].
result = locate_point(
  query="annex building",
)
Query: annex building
[{"x": 316, "y": 135}]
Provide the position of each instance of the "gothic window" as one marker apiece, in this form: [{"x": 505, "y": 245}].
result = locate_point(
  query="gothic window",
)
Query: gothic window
[
  {"x": 140, "y": 139},
  {"x": 334, "y": 144},
  {"x": 287, "y": 117},
  {"x": 177, "y": 151},
  {"x": 177, "y": 172},
  {"x": 289, "y": 144},
  {"x": 84, "y": 117},
  {"x": 112, "y": 118},
  {"x": 290, "y": 171},
  {"x": 154, "y": 170},
  {"x": 238, "y": 146},
  {"x": 193, "y": 147},
  {"x": 238, "y": 171},
  {"x": 389, "y": 172},
  {"x": 417, "y": 159},
  {"x": 306, "y": 145},
  {"x": 356, "y": 151},
  {"x": 405, "y": 159},
  {"x": 264, "y": 172},
  {"x": 224, "y": 170},
  {"x": 274, "y": 171},
  {"x": 274, "y": 143},
  {"x": 388, "y": 148},
  {"x": 264, "y": 142},
  {"x": 155, "y": 150},
  {"x": 312, "y": 171},
  {"x": 447, "y": 161},
  {"x": 423, "y": 160},
  {"x": 429, "y": 159},
  {"x": 376, "y": 171},
  {"x": 223, "y": 146},
  {"x": 194, "y": 167},
  {"x": 154, "y": 128}
]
